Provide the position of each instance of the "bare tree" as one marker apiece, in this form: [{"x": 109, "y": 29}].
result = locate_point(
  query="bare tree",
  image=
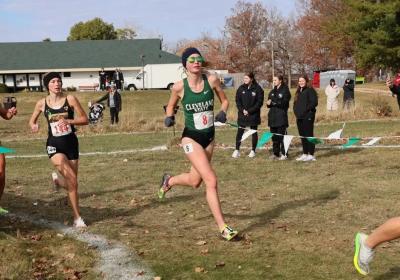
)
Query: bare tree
[{"x": 245, "y": 30}]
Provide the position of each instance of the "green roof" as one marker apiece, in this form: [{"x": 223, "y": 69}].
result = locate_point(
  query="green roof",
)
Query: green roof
[{"x": 83, "y": 54}]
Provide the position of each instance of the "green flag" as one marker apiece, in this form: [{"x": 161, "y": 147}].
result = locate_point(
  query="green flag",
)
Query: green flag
[
  {"x": 4, "y": 150},
  {"x": 232, "y": 124},
  {"x": 315, "y": 140},
  {"x": 351, "y": 142},
  {"x": 264, "y": 139}
]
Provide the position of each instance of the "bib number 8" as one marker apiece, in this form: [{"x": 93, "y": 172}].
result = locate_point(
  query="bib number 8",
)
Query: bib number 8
[{"x": 205, "y": 119}]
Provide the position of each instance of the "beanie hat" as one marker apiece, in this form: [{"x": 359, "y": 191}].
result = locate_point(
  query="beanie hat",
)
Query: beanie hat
[
  {"x": 188, "y": 52},
  {"x": 49, "y": 76}
]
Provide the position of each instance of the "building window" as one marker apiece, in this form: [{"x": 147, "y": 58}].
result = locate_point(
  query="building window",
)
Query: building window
[
  {"x": 31, "y": 78},
  {"x": 67, "y": 74}
]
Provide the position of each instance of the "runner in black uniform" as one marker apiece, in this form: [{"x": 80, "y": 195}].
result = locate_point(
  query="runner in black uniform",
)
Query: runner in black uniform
[
  {"x": 197, "y": 96},
  {"x": 62, "y": 143},
  {"x": 5, "y": 114}
]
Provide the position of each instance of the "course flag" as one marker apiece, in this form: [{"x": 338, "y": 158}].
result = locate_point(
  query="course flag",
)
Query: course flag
[
  {"x": 287, "y": 139},
  {"x": 315, "y": 140},
  {"x": 247, "y": 134},
  {"x": 351, "y": 142},
  {"x": 372, "y": 141},
  {"x": 264, "y": 139},
  {"x": 4, "y": 150},
  {"x": 337, "y": 134}
]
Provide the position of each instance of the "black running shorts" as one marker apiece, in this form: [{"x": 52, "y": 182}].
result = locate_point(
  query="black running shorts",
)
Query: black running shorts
[
  {"x": 204, "y": 139},
  {"x": 67, "y": 145}
]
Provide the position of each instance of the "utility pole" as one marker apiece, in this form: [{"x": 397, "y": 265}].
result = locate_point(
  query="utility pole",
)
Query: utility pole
[
  {"x": 272, "y": 58},
  {"x": 142, "y": 58}
]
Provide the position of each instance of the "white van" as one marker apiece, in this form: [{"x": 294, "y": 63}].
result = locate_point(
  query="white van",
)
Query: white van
[{"x": 156, "y": 76}]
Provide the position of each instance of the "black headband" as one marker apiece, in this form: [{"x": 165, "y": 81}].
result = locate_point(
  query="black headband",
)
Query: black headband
[
  {"x": 188, "y": 52},
  {"x": 49, "y": 76}
]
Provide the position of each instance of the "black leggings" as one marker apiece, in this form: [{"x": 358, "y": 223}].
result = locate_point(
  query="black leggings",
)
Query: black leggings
[
  {"x": 306, "y": 128},
  {"x": 277, "y": 140},
  {"x": 254, "y": 138},
  {"x": 114, "y": 115}
]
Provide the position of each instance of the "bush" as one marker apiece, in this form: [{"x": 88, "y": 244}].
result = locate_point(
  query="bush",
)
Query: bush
[
  {"x": 381, "y": 107},
  {"x": 3, "y": 88}
]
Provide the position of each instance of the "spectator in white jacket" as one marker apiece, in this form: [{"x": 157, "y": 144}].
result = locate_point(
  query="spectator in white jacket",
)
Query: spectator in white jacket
[{"x": 332, "y": 92}]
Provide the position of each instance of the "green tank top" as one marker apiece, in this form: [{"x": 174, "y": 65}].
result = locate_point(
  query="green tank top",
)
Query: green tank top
[{"x": 198, "y": 107}]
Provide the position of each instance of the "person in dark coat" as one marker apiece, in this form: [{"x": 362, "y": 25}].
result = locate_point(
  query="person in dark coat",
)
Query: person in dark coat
[
  {"x": 102, "y": 79},
  {"x": 249, "y": 100},
  {"x": 394, "y": 89},
  {"x": 113, "y": 98},
  {"x": 278, "y": 104},
  {"x": 118, "y": 78},
  {"x": 348, "y": 95},
  {"x": 305, "y": 104}
]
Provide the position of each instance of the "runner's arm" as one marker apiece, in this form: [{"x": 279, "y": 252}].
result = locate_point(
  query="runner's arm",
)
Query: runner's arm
[
  {"x": 8, "y": 114},
  {"x": 176, "y": 93},
  {"x": 216, "y": 85},
  {"x": 82, "y": 118},
  {"x": 39, "y": 107}
]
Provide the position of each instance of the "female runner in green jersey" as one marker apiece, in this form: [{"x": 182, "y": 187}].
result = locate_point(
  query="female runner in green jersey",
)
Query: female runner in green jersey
[{"x": 196, "y": 93}]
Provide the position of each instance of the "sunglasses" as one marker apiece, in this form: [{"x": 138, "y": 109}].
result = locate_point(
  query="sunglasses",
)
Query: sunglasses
[{"x": 194, "y": 59}]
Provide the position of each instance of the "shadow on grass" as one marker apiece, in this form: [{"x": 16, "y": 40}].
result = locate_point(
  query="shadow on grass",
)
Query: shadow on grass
[
  {"x": 393, "y": 273},
  {"x": 59, "y": 211},
  {"x": 265, "y": 217}
]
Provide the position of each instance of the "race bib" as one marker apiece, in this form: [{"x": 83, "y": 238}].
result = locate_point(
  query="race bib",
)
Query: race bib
[
  {"x": 58, "y": 129},
  {"x": 188, "y": 148},
  {"x": 203, "y": 120}
]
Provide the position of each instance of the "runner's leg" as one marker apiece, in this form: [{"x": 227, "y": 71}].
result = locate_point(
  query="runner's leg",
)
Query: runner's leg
[{"x": 68, "y": 169}]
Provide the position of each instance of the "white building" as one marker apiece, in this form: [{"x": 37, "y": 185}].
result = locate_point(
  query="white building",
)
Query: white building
[{"x": 22, "y": 65}]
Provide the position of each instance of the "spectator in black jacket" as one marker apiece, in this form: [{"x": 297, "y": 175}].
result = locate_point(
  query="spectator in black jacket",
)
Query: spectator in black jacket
[
  {"x": 118, "y": 78},
  {"x": 348, "y": 95},
  {"x": 305, "y": 103},
  {"x": 249, "y": 100},
  {"x": 102, "y": 79},
  {"x": 113, "y": 101},
  {"x": 394, "y": 89},
  {"x": 278, "y": 102}
]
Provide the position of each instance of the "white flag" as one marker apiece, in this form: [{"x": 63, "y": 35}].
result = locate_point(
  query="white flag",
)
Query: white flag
[
  {"x": 372, "y": 141},
  {"x": 219, "y": 124},
  {"x": 247, "y": 134},
  {"x": 336, "y": 134},
  {"x": 287, "y": 139}
]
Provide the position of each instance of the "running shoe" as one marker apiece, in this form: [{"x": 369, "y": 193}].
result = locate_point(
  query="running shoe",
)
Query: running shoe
[
  {"x": 309, "y": 158},
  {"x": 302, "y": 157},
  {"x": 56, "y": 185},
  {"x": 228, "y": 233},
  {"x": 252, "y": 154},
  {"x": 79, "y": 223},
  {"x": 3, "y": 211},
  {"x": 282, "y": 157},
  {"x": 363, "y": 255},
  {"x": 164, "y": 186},
  {"x": 236, "y": 154}
]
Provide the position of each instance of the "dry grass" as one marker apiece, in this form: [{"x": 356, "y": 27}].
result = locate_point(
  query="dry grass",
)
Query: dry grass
[{"x": 297, "y": 221}]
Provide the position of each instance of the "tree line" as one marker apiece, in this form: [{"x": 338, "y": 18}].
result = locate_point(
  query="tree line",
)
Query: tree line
[{"x": 322, "y": 35}]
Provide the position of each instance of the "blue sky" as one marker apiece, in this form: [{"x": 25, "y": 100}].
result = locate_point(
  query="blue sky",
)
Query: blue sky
[{"x": 174, "y": 20}]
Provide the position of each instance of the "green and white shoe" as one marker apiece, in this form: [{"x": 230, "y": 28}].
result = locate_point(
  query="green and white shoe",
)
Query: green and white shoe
[
  {"x": 363, "y": 255},
  {"x": 3, "y": 211},
  {"x": 228, "y": 233},
  {"x": 164, "y": 186}
]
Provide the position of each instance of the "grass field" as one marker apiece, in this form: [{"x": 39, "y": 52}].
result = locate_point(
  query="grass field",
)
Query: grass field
[{"x": 297, "y": 220}]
